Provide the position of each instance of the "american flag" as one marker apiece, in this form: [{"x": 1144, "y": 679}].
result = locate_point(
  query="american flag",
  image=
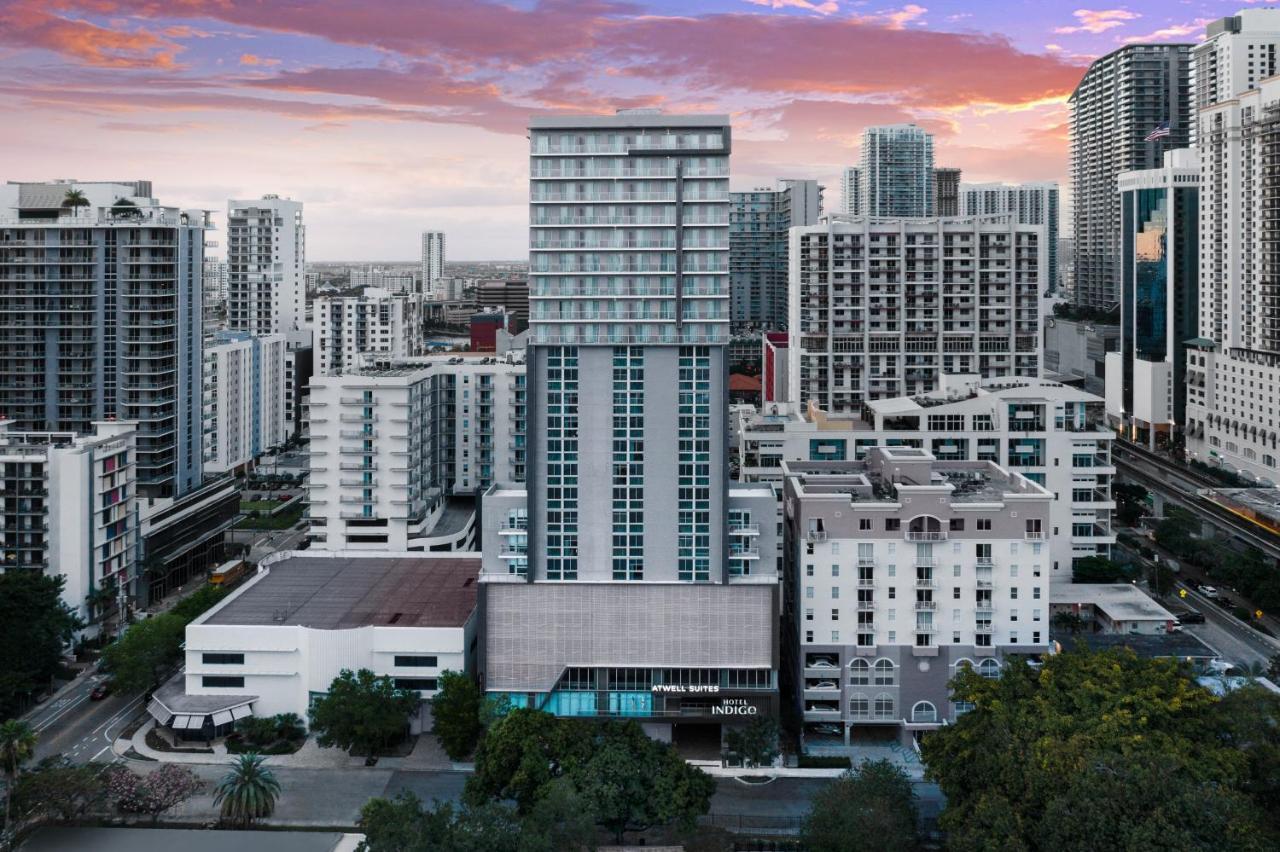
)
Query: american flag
[{"x": 1162, "y": 129}]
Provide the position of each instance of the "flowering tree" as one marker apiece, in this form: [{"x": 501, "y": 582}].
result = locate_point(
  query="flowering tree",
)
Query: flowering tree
[{"x": 153, "y": 794}]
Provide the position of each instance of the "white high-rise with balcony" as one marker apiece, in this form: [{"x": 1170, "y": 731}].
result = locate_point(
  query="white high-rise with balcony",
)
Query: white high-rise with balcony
[
  {"x": 354, "y": 331},
  {"x": 432, "y": 264},
  {"x": 897, "y": 171},
  {"x": 266, "y": 268}
]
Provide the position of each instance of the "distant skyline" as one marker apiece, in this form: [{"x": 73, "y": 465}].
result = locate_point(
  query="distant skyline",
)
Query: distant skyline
[{"x": 390, "y": 117}]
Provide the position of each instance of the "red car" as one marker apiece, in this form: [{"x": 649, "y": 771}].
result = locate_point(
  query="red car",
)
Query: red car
[{"x": 100, "y": 691}]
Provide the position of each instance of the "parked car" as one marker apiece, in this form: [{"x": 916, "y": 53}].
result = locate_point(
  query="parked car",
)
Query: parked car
[
  {"x": 824, "y": 684},
  {"x": 100, "y": 691},
  {"x": 830, "y": 730},
  {"x": 821, "y": 663},
  {"x": 1208, "y": 591},
  {"x": 1191, "y": 616}
]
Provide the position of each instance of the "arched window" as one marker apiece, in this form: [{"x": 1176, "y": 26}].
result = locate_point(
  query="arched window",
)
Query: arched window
[
  {"x": 859, "y": 706},
  {"x": 885, "y": 674},
  {"x": 925, "y": 528},
  {"x": 963, "y": 707},
  {"x": 859, "y": 673},
  {"x": 883, "y": 707},
  {"x": 989, "y": 669},
  {"x": 924, "y": 712},
  {"x": 962, "y": 664}
]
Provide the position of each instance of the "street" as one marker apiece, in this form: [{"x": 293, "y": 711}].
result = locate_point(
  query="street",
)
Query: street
[
  {"x": 81, "y": 729},
  {"x": 1225, "y": 634}
]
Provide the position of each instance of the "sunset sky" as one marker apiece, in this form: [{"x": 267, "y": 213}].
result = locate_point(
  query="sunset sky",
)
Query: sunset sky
[{"x": 387, "y": 117}]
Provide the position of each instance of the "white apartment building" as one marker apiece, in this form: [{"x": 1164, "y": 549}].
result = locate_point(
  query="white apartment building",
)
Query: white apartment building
[
  {"x": 1053, "y": 434},
  {"x": 851, "y": 191},
  {"x": 396, "y": 451},
  {"x": 906, "y": 568},
  {"x": 245, "y": 398},
  {"x": 433, "y": 264},
  {"x": 278, "y": 641},
  {"x": 1028, "y": 204},
  {"x": 882, "y": 308},
  {"x": 69, "y": 508},
  {"x": 897, "y": 171},
  {"x": 266, "y": 267},
  {"x": 215, "y": 280},
  {"x": 1237, "y": 54},
  {"x": 352, "y": 331}
]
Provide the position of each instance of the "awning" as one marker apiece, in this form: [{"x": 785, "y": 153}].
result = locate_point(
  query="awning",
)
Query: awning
[
  {"x": 159, "y": 712},
  {"x": 222, "y": 717},
  {"x": 181, "y": 723},
  {"x": 241, "y": 712}
]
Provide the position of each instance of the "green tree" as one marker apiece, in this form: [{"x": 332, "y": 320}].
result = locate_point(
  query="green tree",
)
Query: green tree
[
  {"x": 1068, "y": 622},
  {"x": 1098, "y": 569},
  {"x": 17, "y": 745},
  {"x": 1131, "y": 502},
  {"x": 249, "y": 791},
  {"x": 524, "y": 751},
  {"x": 756, "y": 742},
  {"x": 456, "y": 711},
  {"x": 143, "y": 653},
  {"x": 402, "y": 824},
  {"x": 362, "y": 712},
  {"x": 74, "y": 199},
  {"x": 869, "y": 808},
  {"x": 560, "y": 819},
  {"x": 35, "y": 628},
  {"x": 198, "y": 602},
  {"x": 1027, "y": 764},
  {"x": 61, "y": 791},
  {"x": 632, "y": 782}
]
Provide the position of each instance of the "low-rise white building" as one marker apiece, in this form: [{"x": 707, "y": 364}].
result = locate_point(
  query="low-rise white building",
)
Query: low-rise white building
[
  {"x": 1112, "y": 608},
  {"x": 1054, "y": 434},
  {"x": 352, "y": 331},
  {"x": 399, "y": 453},
  {"x": 69, "y": 508},
  {"x": 905, "y": 568},
  {"x": 245, "y": 398},
  {"x": 278, "y": 641}
]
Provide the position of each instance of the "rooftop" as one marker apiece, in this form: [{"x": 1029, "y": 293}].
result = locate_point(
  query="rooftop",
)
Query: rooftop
[
  {"x": 343, "y": 592},
  {"x": 1120, "y": 601},
  {"x": 58, "y": 839},
  {"x": 1177, "y": 644}
]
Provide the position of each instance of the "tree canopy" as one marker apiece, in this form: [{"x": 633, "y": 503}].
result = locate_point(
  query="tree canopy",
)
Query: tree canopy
[
  {"x": 362, "y": 712},
  {"x": 35, "y": 627},
  {"x": 141, "y": 655},
  {"x": 1050, "y": 756},
  {"x": 867, "y": 809},
  {"x": 456, "y": 711}
]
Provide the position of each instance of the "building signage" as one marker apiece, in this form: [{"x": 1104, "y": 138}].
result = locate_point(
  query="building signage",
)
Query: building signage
[
  {"x": 685, "y": 689},
  {"x": 734, "y": 707}
]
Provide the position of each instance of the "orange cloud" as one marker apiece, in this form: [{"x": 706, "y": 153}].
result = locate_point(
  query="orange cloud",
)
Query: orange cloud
[
  {"x": 253, "y": 59},
  {"x": 29, "y": 24}
]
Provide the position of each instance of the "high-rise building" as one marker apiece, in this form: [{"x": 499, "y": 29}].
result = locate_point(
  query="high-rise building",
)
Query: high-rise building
[
  {"x": 103, "y": 318},
  {"x": 627, "y": 576},
  {"x": 69, "y": 508},
  {"x": 1130, "y": 107},
  {"x": 1238, "y": 52},
  {"x": 1028, "y": 204},
  {"x": 883, "y": 308},
  {"x": 897, "y": 171},
  {"x": 266, "y": 268},
  {"x": 512, "y": 295},
  {"x": 244, "y": 399},
  {"x": 851, "y": 191},
  {"x": 352, "y": 331},
  {"x": 759, "y": 222},
  {"x": 432, "y": 263},
  {"x": 1146, "y": 378},
  {"x": 399, "y": 451},
  {"x": 946, "y": 192},
  {"x": 905, "y": 568},
  {"x": 1234, "y": 364}
]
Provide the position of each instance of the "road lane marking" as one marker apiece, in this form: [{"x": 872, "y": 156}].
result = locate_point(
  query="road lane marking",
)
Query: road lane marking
[{"x": 42, "y": 726}]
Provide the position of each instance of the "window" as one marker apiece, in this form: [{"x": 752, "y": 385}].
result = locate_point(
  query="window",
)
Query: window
[
  {"x": 413, "y": 661},
  {"x": 957, "y": 524},
  {"x": 808, "y": 636},
  {"x": 222, "y": 682},
  {"x": 989, "y": 669},
  {"x": 835, "y": 636},
  {"x": 210, "y": 659},
  {"x": 808, "y": 570},
  {"x": 883, "y": 707},
  {"x": 835, "y": 592},
  {"x": 924, "y": 712},
  {"x": 835, "y": 570},
  {"x": 808, "y": 592},
  {"x": 1013, "y": 593},
  {"x": 859, "y": 673},
  {"x": 808, "y": 615},
  {"x": 859, "y": 706},
  {"x": 955, "y": 593},
  {"x": 892, "y": 524},
  {"x": 864, "y": 523},
  {"x": 419, "y": 684},
  {"x": 835, "y": 615},
  {"x": 984, "y": 524},
  {"x": 963, "y": 707},
  {"x": 885, "y": 673}
]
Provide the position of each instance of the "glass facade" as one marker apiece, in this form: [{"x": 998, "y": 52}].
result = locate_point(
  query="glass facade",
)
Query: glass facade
[
  {"x": 695, "y": 464},
  {"x": 628, "y": 463},
  {"x": 562, "y": 463}
]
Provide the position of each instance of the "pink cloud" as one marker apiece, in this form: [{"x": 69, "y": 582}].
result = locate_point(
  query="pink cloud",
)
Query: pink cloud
[
  {"x": 1098, "y": 21},
  {"x": 29, "y": 24},
  {"x": 827, "y": 8},
  {"x": 1196, "y": 27},
  {"x": 254, "y": 59}
]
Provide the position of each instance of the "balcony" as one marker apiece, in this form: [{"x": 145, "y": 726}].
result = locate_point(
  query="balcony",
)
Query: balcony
[
  {"x": 926, "y": 583},
  {"x": 513, "y": 530},
  {"x": 925, "y": 535},
  {"x": 1034, "y": 536},
  {"x": 866, "y": 606},
  {"x": 926, "y": 606},
  {"x": 744, "y": 529}
]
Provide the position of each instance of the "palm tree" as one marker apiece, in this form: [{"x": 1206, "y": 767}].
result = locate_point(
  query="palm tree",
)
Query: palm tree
[
  {"x": 249, "y": 791},
  {"x": 74, "y": 199},
  {"x": 17, "y": 745}
]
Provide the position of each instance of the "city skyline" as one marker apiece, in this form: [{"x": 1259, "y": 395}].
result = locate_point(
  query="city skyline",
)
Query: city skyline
[{"x": 339, "y": 111}]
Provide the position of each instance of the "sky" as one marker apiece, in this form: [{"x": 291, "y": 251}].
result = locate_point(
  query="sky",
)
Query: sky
[{"x": 390, "y": 117}]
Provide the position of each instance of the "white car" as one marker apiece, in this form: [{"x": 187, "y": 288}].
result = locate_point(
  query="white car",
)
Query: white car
[
  {"x": 1209, "y": 592},
  {"x": 821, "y": 663},
  {"x": 824, "y": 684}
]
